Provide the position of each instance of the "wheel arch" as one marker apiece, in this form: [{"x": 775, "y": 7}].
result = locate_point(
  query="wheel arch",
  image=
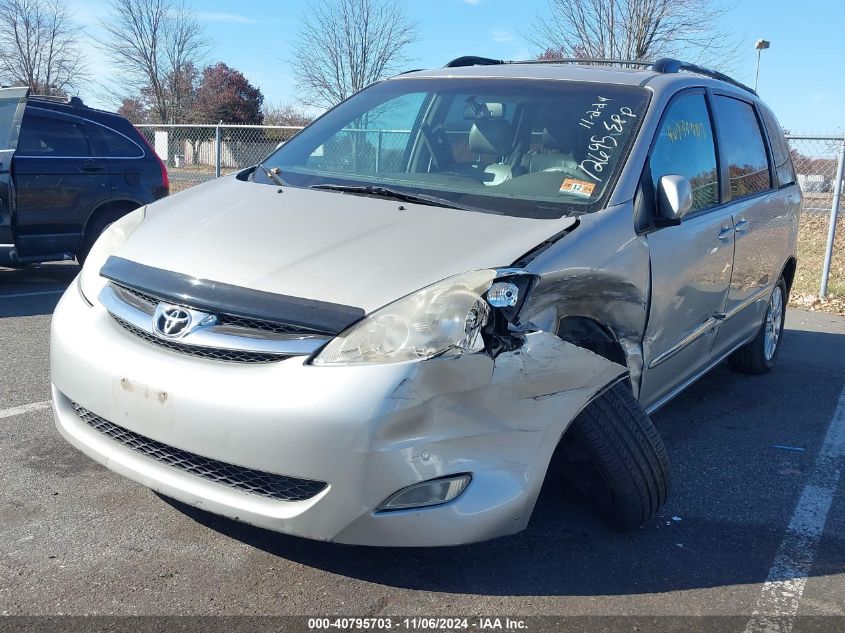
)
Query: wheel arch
[
  {"x": 788, "y": 272},
  {"x": 593, "y": 335},
  {"x": 111, "y": 206}
]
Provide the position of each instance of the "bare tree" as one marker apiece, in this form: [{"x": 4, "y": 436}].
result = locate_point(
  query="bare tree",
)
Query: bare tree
[
  {"x": 157, "y": 45},
  {"x": 286, "y": 114},
  {"x": 345, "y": 45},
  {"x": 39, "y": 46},
  {"x": 634, "y": 30}
]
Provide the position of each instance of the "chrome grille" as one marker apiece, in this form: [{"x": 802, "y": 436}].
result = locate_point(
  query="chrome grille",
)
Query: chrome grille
[
  {"x": 143, "y": 297},
  {"x": 258, "y": 324},
  {"x": 198, "y": 351},
  {"x": 221, "y": 337},
  {"x": 255, "y": 482},
  {"x": 234, "y": 320}
]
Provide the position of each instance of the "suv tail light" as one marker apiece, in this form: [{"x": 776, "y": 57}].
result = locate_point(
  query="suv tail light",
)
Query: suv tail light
[{"x": 165, "y": 178}]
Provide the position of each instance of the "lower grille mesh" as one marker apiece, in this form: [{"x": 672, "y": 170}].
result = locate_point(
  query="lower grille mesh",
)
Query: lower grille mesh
[{"x": 255, "y": 482}]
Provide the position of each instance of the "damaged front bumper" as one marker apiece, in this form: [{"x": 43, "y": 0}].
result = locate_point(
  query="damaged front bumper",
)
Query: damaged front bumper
[{"x": 366, "y": 431}]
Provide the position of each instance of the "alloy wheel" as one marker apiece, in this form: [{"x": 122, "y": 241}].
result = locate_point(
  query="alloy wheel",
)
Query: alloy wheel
[{"x": 774, "y": 321}]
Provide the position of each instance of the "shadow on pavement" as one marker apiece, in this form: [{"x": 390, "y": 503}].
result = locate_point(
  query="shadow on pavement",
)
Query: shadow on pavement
[
  {"x": 561, "y": 553},
  {"x": 34, "y": 290}
]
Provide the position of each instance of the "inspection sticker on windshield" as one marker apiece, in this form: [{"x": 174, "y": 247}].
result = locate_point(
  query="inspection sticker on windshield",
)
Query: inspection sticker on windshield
[{"x": 580, "y": 188}]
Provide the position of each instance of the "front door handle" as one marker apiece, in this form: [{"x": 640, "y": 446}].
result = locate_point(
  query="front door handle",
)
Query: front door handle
[
  {"x": 726, "y": 232},
  {"x": 741, "y": 226}
]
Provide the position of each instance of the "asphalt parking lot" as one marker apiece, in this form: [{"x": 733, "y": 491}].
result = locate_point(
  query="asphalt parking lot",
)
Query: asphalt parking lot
[{"x": 755, "y": 522}]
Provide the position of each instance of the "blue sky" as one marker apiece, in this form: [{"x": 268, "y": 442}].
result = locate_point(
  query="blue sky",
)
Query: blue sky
[{"x": 800, "y": 76}]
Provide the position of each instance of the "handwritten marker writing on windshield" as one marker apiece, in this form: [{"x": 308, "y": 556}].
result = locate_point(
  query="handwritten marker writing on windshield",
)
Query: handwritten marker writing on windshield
[
  {"x": 594, "y": 113},
  {"x": 599, "y": 158}
]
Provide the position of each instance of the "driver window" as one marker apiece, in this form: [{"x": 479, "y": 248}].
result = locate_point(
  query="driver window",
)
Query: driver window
[
  {"x": 685, "y": 147},
  {"x": 376, "y": 142}
]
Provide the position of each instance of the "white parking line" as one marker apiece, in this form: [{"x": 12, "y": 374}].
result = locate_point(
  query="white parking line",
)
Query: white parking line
[
  {"x": 781, "y": 593},
  {"x": 32, "y": 294},
  {"x": 24, "y": 408}
]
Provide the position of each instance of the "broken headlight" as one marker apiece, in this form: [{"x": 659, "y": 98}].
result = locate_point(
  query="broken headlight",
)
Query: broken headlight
[{"x": 448, "y": 315}]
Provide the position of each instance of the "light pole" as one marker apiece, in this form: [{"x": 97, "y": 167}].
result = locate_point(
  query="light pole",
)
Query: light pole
[{"x": 760, "y": 45}]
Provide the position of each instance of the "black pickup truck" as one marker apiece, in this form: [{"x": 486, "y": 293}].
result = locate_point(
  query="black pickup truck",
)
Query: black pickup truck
[{"x": 67, "y": 171}]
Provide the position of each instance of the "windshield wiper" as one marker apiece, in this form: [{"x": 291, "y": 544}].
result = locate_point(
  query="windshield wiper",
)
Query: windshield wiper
[
  {"x": 272, "y": 174},
  {"x": 386, "y": 192}
]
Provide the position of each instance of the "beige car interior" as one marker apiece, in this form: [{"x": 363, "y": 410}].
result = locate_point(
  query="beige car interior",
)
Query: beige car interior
[{"x": 496, "y": 136}]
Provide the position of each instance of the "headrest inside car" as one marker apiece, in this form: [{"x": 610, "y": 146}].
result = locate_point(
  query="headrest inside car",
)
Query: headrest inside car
[
  {"x": 494, "y": 136},
  {"x": 551, "y": 140},
  {"x": 475, "y": 111},
  {"x": 557, "y": 139}
]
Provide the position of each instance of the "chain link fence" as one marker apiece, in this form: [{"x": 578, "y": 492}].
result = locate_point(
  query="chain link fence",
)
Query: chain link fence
[
  {"x": 197, "y": 153},
  {"x": 818, "y": 162}
]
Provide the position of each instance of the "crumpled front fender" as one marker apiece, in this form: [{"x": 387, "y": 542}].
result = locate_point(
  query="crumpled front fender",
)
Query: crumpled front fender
[{"x": 499, "y": 419}]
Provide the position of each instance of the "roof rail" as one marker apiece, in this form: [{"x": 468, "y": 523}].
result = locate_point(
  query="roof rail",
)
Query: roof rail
[
  {"x": 669, "y": 65},
  {"x": 76, "y": 102},
  {"x": 586, "y": 60},
  {"x": 665, "y": 65},
  {"x": 472, "y": 60}
]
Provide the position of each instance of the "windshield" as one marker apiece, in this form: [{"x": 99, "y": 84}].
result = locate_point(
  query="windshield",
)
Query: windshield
[{"x": 520, "y": 147}]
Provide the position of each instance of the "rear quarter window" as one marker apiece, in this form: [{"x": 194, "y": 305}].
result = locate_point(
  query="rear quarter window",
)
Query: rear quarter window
[
  {"x": 780, "y": 149},
  {"x": 113, "y": 144}
]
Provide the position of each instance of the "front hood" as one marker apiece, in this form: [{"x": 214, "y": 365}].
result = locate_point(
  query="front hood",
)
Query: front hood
[{"x": 340, "y": 248}]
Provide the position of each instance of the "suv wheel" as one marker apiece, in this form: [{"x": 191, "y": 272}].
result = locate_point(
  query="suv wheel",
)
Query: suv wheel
[
  {"x": 613, "y": 460},
  {"x": 759, "y": 355}
]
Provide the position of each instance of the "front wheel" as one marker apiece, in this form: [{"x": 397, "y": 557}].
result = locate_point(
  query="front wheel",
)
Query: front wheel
[
  {"x": 759, "y": 355},
  {"x": 613, "y": 460}
]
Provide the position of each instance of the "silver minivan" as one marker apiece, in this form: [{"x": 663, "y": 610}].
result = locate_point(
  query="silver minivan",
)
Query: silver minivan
[{"x": 455, "y": 286}]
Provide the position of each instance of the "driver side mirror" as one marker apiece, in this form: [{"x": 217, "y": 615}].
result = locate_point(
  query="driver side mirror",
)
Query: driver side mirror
[{"x": 674, "y": 199}]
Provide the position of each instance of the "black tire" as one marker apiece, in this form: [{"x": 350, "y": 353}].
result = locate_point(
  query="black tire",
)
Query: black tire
[
  {"x": 613, "y": 460},
  {"x": 753, "y": 358},
  {"x": 95, "y": 228}
]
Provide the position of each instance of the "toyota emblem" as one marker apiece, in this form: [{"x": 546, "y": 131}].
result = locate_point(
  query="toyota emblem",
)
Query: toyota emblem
[{"x": 172, "y": 321}]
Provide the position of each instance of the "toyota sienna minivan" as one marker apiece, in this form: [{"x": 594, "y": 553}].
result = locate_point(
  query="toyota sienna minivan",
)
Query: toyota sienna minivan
[{"x": 455, "y": 287}]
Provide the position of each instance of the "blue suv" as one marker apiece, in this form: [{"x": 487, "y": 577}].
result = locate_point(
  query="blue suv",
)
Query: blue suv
[{"x": 67, "y": 171}]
